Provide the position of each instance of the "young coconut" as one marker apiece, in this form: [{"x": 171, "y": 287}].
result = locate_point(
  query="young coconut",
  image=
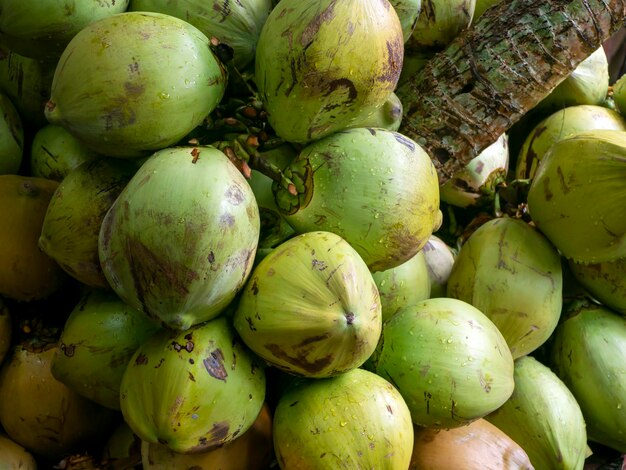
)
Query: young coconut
[
  {"x": 588, "y": 354},
  {"x": 375, "y": 188},
  {"x": 478, "y": 446},
  {"x": 408, "y": 11},
  {"x": 11, "y": 137},
  {"x": 510, "y": 272},
  {"x": 179, "y": 241},
  {"x": 448, "y": 360},
  {"x": 152, "y": 79},
  {"x": 354, "y": 420},
  {"x": 543, "y": 417},
  {"x": 97, "y": 341},
  {"x": 193, "y": 391},
  {"x": 320, "y": 64},
  {"x": 311, "y": 307},
  {"x": 14, "y": 456},
  {"x": 577, "y": 197},
  {"x": 71, "y": 226},
  {"x": 439, "y": 261},
  {"x": 559, "y": 125},
  {"x": 606, "y": 281}
]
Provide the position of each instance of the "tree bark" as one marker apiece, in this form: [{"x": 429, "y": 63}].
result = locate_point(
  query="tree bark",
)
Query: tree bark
[{"x": 498, "y": 69}]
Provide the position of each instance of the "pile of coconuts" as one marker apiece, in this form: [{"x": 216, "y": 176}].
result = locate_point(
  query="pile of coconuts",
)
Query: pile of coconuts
[{"x": 220, "y": 252}]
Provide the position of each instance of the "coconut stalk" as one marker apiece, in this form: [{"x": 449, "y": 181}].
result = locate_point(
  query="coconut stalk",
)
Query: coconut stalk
[{"x": 496, "y": 70}]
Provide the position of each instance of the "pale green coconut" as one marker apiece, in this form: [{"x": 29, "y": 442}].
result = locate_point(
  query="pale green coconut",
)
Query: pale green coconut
[
  {"x": 354, "y": 420},
  {"x": 577, "y": 196},
  {"x": 192, "y": 391},
  {"x": 563, "y": 123},
  {"x": 179, "y": 241},
  {"x": 408, "y": 11},
  {"x": 403, "y": 285},
  {"x": 606, "y": 281},
  {"x": 448, "y": 360},
  {"x": 14, "y": 456},
  {"x": 311, "y": 307},
  {"x": 509, "y": 271},
  {"x": 375, "y": 188},
  {"x": 236, "y": 24},
  {"x": 439, "y": 261},
  {"x": 321, "y": 64},
  {"x": 543, "y": 417},
  {"x": 151, "y": 79},
  {"x": 589, "y": 355}
]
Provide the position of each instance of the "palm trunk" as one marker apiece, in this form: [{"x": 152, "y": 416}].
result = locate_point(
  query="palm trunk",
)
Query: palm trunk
[{"x": 497, "y": 70}]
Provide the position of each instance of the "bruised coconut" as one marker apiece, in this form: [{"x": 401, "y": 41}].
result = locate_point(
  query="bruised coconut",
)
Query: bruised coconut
[
  {"x": 311, "y": 307},
  {"x": 179, "y": 241},
  {"x": 320, "y": 64},
  {"x": 192, "y": 391},
  {"x": 375, "y": 188}
]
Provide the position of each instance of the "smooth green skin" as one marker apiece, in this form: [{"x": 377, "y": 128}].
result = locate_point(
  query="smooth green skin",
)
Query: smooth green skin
[
  {"x": 71, "y": 226},
  {"x": 5, "y": 330},
  {"x": 55, "y": 152},
  {"x": 482, "y": 6},
  {"x": 151, "y": 79},
  {"x": 447, "y": 359},
  {"x": 589, "y": 355},
  {"x": 98, "y": 339},
  {"x": 11, "y": 137},
  {"x": 543, "y": 417},
  {"x": 321, "y": 65},
  {"x": 408, "y": 11},
  {"x": 559, "y": 125},
  {"x": 619, "y": 94},
  {"x": 438, "y": 23},
  {"x": 439, "y": 261},
  {"x": 42, "y": 30},
  {"x": 388, "y": 116},
  {"x": 375, "y": 188},
  {"x": 193, "y": 390},
  {"x": 577, "y": 196},
  {"x": 311, "y": 307},
  {"x": 403, "y": 285},
  {"x": 510, "y": 272},
  {"x": 605, "y": 281},
  {"x": 476, "y": 184},
  {"x": 27, "y": 83},
  {"x": 237, "y": 24},
  {"x": 354, "y": 420},
  {"x": 587, "y": 84},
  {"x": 14, "y": 456},
  {"x": 179, "y": 241}
]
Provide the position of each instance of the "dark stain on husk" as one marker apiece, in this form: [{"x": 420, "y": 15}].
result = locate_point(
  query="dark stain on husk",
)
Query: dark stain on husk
[
  {"x": 214, "y": 365},
  {"x": 300, "y": 360}
]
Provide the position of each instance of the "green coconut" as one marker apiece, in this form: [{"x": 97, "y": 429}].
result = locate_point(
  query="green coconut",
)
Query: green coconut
[
  {"x": 448, "y": 360},
  {"x": 482, "y": 6},
  {"x": 27, "y": 82},
  {"x": 403, "y": 285},
  {"x": 509, "y": 271},
  {"x": 438, "y": 23},
  {"x": 408, "y": 11},
  {"x": 375, "y": 188},
  {"x": 439, "y": 261},
  {"x": 11, "y": 137},
  {"x": 606, "y": 281},
  {"x": 354, "y": 420},
  {"x": 577, "y": 197},
  {"x": 194, "y": 390},
  {"x": 14, "y": 456},
  {"x": 311, "y": 307},
  {"x": 55, "y": 152},
  {"x": 543, "y": 417},
  {"x": 236, "y": 24},
  {"x": 151, "y": 79},
  {"x": 321, "y": 64},
  {"x": 476, "y": 183},
  {"x": 98, "y": 339},
  {"x": 71, "y": 226},
  {"x": 588, "y": 354},
  {"x": 43, "y": 29},
  {"x": 388, "y": 116},
  {"x": 563, "y": 123},
  {"x": 179, "y": 241},
  {"x": 619, "y": 94},
  {"x": 587, "y": 84}
]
